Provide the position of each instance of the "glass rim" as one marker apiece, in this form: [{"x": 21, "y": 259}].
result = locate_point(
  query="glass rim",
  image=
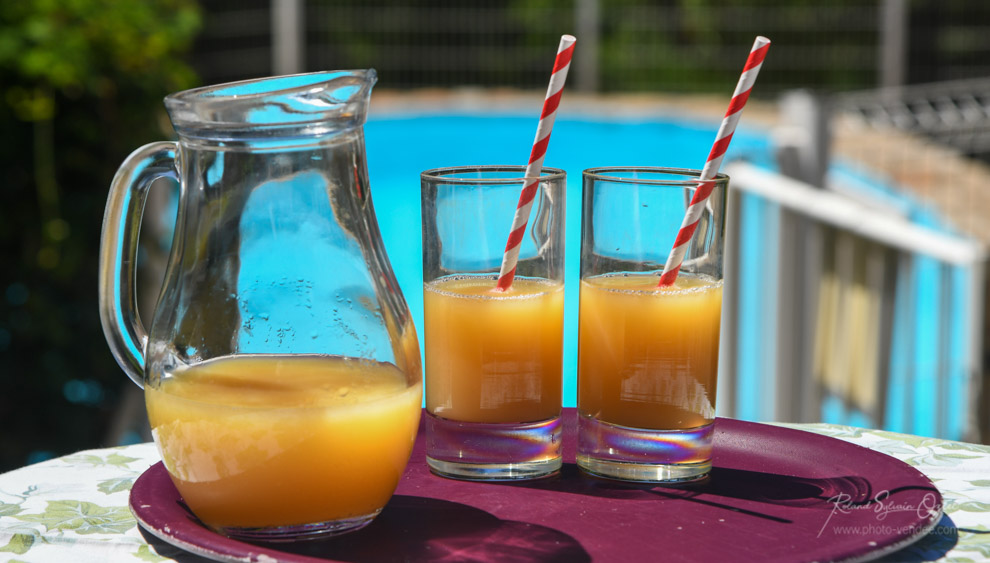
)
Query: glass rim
[
  {"x": 304, "y": 104},
  {"x": 216, "y": 91},
  {"x": 691, "y": 176},
  {"x": 441, "y": 175}
]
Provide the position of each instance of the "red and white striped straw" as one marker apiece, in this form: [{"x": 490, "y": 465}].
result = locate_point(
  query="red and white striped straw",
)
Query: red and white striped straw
[
  {"x": 535, "y": 166},
  {"x": 710, "y": 170}
]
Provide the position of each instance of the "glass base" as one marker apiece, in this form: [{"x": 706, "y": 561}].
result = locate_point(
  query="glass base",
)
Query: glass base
[
  {"x": 477, "y": 451},
  {"x": 301, "y": 532},
  {"x": 643, "y": 455}
]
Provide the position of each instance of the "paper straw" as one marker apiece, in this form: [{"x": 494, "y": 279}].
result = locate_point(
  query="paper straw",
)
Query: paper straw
[
  {"x": 710, "y": 170},
  {"x": 535, "y": 167}
]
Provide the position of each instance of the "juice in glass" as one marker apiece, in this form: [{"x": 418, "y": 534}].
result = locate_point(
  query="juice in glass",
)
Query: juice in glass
[
  {"x": 493, "y": 357},
  {"x": 647, "y": 369},
  {"x": 648, "y": 356},
  {"x": 257, "y": 441}
]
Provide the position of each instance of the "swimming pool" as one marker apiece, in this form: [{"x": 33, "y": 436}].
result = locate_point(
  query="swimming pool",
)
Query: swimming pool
[
  {"x": 400, "y": 147},
  {"x": 932, "y": 335}
]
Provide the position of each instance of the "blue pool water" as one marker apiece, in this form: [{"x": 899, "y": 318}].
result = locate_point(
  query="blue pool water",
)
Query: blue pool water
[
  {"x": 399, "y": 148},
  {"x": 928, "y": 355}
]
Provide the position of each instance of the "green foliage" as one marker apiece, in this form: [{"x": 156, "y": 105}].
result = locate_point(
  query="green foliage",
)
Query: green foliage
[
  {"x": 81, "y": 84},
  {"x": 701, "y": 45},
  {"x": 79, "y": 48}
]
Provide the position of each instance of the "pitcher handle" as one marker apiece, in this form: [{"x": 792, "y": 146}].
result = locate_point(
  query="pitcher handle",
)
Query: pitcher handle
[{"x": 122, "y": 326}]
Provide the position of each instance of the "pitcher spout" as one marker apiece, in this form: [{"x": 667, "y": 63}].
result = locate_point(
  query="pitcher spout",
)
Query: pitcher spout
[{"x": 300, "y": 105}]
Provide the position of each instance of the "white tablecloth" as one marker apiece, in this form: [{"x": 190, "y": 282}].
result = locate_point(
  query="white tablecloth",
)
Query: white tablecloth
[{"x": 74, "y": 508}]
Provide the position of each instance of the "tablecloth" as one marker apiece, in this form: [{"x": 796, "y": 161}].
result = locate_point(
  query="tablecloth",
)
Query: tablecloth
[{"x": 79, "y": 502}]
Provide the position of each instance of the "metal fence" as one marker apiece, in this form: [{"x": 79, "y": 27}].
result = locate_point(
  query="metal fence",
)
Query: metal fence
[
  {"x": 623, "y": 45},
  {"x": 953, "y": 113},
  {"x": 843, "y": 312}
]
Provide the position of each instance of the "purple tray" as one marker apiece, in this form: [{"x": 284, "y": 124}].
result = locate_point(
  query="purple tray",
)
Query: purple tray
[{"x": 775, "y": 494}]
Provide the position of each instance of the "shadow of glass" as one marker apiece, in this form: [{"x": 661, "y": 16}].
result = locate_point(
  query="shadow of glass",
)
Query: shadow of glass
[
  {"x": 771, "y": 488},
  {"x": 723, "y": 486},
  {"x": 412, "y": 528}
]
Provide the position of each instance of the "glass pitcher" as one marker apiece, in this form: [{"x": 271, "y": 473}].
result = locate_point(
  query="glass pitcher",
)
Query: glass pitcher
[{"x": 281, "y": 369}]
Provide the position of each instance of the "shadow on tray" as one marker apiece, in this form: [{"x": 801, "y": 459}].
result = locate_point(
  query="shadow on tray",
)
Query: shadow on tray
[{"x": 425, "y": 529}]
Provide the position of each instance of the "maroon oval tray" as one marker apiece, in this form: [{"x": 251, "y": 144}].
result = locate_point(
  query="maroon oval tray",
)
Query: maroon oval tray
[{"x": 775, "y": 494}]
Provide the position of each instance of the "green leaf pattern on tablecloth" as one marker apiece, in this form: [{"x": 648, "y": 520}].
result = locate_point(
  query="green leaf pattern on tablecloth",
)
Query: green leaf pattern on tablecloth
[
  {"x": 19, "y": 544},
  {"x": 113, "y": 458},
  {"x": 144, "y": 553},
  {"x": 972, "y": 506},
  {"x": 115, "y": 485},
  {"x": 38, "y": 519},
  {"x": 39, "y": 523},
  {"x": 83, "y": 517}
]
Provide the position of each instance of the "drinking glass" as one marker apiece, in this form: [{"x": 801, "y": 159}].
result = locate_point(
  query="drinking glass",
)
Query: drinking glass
[
  {"x": 647, "y": 355},
  {"x": 493, "y": 358}
]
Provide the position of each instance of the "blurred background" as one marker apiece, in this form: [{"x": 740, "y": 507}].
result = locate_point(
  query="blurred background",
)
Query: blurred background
[{"x": 861, "y": 199}]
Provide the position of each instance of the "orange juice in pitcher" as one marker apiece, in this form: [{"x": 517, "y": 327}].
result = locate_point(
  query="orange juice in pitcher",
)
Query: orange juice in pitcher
[{"x": 312, "y": 438}]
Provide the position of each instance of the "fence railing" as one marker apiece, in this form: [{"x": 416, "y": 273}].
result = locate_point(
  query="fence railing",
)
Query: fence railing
[
  {"x": 642, "y": 45},
  {"x": 851, "y": 314},
  {"x": 955, "y": 113}
]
